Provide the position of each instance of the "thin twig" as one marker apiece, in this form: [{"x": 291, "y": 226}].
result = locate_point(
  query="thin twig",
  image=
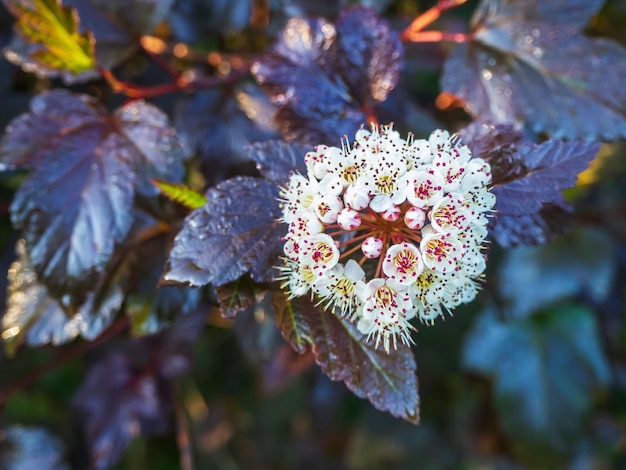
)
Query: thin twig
[
  {"x": 182, "y": 432},
  {"x": 427, "y": 18},
  {"x": 439, "y": 36}
]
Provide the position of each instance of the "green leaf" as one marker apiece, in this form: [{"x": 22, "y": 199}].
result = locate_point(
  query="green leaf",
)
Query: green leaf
[
  {"x": 181, "y": 193},
  {"x": 55, "y": 29},
  {"x": 387, "y": 381},
  {"x": 544, "y": 369}
]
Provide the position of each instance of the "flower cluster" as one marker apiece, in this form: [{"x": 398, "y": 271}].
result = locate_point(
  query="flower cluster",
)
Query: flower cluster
[{"x": 387, "y": 229}]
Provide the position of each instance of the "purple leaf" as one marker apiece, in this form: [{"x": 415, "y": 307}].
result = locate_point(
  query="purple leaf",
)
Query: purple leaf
[
  {"x": 322, "y": 76},
  {"x": 86, "y": 165},
  {"x": 534, "y": 228},
  {"x": 118, "y": 403},
  {"x": 291, "y": 319},
  {"x": 529, "y": 63},
  {"x": 367, "y": 55},
  {"x": 237, "y": 296},
  {"x": 35, "y": 318},
  {"x": 237, "y": 231},
  {"x": 216, "y": 125},
  {"x": 388, "y": 381},
  {"x": 276, "y": 160},
  {"x": 528, "y": 180},
  {"x": 545, "y": 170},
  {"x": 127, "y": 394},
  {"x": 572, "y": 13}
]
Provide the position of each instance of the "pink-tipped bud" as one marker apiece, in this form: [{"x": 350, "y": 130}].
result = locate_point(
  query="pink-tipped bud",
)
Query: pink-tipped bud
[
  {"x": 415, "y": 218},
  {"x": 392, "y": 214},
  {"x": 372, "y": 247},
  {"x": 348, "y": 219}
]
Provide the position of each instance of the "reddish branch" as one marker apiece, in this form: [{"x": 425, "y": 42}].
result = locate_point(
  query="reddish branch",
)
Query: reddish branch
[{"x": 414, "y": 32}]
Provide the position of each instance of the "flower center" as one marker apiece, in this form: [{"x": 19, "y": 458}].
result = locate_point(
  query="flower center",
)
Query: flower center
[
  {"x": 386, "y": 184},
  {"x": 405, "y": 261},
  {"x": 351, "y": 174}
]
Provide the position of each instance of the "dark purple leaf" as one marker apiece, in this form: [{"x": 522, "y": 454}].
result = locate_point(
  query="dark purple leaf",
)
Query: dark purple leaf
[
  {"x": 128, "y": 393},
  {"x": 276, "y": 160},
  {"x": 217, "y": 126},
  {"x": 545, "y": 171},
  {"x": 529, "y": 63},
  {"x": 237, "y": 296},
  {"x": 115, "y": 24},
  {"x": 572, "y": 13},
  {"x": 292, "y": 320},
  {"x": 544, "y": 370},
  {"x": 119, "y": 402},
  {"x": 30, "y": 448},
  {"x": 534, "y": 228},
  {"x": 367, "y": 55},
  {"x": 86, "y": 166},
  {"x": 528, "y": 180},
  {"x": 237, "y": 231},
  {"x": 387, "y": 380},
  {"x": 322, "y": 76}
]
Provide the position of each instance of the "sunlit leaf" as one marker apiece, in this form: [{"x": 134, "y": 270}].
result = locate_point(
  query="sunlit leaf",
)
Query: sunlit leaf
[
  {"x": 544, "y": 370},
  {"x": 237, "y": 231},
  {"x": 528, "y": 62},
  {"x": 181, "y": 193},
  {"x": 86, "y": 165},
  {"x": 55, "y": 30},
  {"x": 116, "y": 26},
  {"x": 35, "y": 318}
]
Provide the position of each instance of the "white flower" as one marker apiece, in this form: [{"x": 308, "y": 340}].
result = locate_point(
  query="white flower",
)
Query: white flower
[
  {"x": 403, "y": 263},
  {"x": 319, "y": 253},
  {"x": 386, "y": 311},
  {"x": 387, "y": 229},
  {"x": 440, "y": 250},
  {"x": 337, "y": 289},
  {"x": 424, "y": 189}
]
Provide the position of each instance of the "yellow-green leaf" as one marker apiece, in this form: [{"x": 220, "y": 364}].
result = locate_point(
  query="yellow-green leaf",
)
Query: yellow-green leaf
[
  {"x": 181, "y": 194},
  {"x": 56, "y": 29}
]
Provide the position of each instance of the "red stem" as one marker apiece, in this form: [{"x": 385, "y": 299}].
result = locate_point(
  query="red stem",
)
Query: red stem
[
  {"x": 179, "y": 84},
  {"x": 440, "y": 36},
  {"x": 427, "y": 18}
]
